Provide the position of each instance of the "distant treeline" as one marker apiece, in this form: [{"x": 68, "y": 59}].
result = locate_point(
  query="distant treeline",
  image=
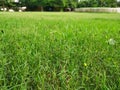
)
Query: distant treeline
[
  {"x": 99, "y": 3},
  {"x": 58, "y": 5}
]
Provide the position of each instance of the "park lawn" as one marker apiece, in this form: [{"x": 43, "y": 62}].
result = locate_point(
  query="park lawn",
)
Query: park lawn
[{"x": 59, "y": 51}]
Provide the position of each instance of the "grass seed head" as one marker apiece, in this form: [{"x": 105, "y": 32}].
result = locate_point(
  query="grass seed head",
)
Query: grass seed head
[{"x": 111, "y": 41}]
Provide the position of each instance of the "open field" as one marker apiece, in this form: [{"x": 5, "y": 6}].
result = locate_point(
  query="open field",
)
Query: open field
[{"x": 59, "y": 51}]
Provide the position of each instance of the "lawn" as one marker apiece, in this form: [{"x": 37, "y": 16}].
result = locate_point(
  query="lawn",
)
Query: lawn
[{"x": 59, "y": 51}]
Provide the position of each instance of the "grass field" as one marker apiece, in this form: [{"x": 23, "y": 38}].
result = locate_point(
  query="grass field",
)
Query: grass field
[{"x": 59, "y": 51}]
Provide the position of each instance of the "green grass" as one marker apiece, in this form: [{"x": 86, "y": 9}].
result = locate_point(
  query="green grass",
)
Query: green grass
[{"x": 59, "y": 51}]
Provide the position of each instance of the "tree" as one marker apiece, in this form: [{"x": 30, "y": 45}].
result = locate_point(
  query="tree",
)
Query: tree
[
  {"x": 32, "y": 4},
  {"x": 97, "y": 3},
  {"x": 111, "y": 3},
  {"x": 118, "y": 3},
  {"x": 2, "y": 3}
]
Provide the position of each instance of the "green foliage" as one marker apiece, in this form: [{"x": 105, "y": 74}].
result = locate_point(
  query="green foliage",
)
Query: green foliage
[
  {"x": 2, "y": 2},
  {"x": 59, "y": 51},
  {"x": 34, "y": 4},
  {"x": 98, "y": 3}
]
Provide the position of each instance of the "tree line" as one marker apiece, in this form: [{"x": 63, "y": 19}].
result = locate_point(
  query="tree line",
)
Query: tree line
[
  {"x": 99, "y": 3},
  {"x": 57, "y": 5}
]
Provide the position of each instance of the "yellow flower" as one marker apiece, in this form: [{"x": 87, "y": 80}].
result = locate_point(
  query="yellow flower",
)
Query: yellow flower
[{"x": 85, "y": 64}]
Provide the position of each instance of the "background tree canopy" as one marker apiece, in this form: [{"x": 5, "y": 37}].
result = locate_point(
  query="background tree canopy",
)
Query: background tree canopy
[
  {"x": 55, "y": 5},
  {"x": 98, "y": 3}
]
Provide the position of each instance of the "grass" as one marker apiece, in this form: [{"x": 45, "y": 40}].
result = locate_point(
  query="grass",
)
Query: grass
[{"x": 59, "y": 51}]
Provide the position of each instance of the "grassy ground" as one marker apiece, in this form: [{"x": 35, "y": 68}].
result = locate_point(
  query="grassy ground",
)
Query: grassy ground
[{"x": 59, "y": 51}]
